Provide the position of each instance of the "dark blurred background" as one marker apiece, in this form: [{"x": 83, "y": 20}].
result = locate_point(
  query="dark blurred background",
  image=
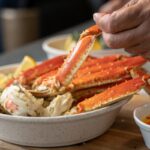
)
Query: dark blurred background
[{"x": 23, "y": 21}]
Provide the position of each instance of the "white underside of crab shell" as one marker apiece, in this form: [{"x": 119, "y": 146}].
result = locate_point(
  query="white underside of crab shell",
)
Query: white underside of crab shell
[
  {"x": 59, "y": 105},
  {"x": 18, "y": 101},
  {"x": 25, "y": 104}
]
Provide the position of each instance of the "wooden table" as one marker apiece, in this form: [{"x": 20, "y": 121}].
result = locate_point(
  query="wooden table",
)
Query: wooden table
[{"x": 123, "y": 135}]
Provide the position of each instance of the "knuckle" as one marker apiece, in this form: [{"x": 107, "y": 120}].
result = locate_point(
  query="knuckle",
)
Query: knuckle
[{"x": 111, "y": 24}]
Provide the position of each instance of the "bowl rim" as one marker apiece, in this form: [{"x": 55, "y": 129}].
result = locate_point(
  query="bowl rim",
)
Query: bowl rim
[
  {"x": 139, "y": 122},
  {"x": 67, "y": 118},
  {"x": 49, "y": 49}
]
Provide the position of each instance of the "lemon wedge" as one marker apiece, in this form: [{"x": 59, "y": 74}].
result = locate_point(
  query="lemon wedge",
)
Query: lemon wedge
[
  {"x": 27, "y": 63},
  {"x": 4, "y": 79},
  {"x": 69, "y": 43},
  {"x": 97, "y": 46}
]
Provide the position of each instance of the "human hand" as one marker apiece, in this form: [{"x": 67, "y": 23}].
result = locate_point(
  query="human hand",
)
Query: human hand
[
  {"x": 112, "y": 5},
  {"x": 128, "y": 27}
]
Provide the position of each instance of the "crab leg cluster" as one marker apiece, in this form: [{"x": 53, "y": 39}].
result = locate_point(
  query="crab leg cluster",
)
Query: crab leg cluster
[{"x": 77, "y": 82}]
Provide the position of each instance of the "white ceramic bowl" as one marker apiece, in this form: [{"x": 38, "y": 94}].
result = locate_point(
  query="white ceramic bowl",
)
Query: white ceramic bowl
[
  {"x": 56, "y": 131},
  {"x": 139, "y": 114},
  {"x": 55, "y": 45}
]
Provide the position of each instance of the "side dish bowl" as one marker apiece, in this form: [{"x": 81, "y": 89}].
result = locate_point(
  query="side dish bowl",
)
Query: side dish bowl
[
  {"x": 55, "y": 45},
  {"x": 139, "y": 114},
  {"x": 57, "y": 131}
]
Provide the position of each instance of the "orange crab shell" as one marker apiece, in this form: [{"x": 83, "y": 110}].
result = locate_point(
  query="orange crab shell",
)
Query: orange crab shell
[{"x": 112, "y": 94}]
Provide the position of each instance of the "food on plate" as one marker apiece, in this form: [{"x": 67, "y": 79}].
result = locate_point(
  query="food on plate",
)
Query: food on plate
[{"x": 75, "y": 83}]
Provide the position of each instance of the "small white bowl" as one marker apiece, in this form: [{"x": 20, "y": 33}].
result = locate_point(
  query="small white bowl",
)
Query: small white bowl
[
  {"x": 139, "y": 114},
  {"x": 55, "y": 46}
]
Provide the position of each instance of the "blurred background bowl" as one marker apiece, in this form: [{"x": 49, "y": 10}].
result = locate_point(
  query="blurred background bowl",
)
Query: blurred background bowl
[
  {"x": 55, "y": 46},
  {"x": 62, "y": 44}
]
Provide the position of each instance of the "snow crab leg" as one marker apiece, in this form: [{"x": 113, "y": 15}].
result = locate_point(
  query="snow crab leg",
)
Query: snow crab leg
[
  {"x": 132, "y": 61},
  {"x": 113, "y": 94},
  {"x": 27, "y": 77},
  {"x": 41, "y": 69}
]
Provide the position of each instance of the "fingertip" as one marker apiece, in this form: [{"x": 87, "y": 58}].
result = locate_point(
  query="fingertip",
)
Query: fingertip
[
  {"x": 101, "y": 19},
  {"x": 96, "y": 17}
]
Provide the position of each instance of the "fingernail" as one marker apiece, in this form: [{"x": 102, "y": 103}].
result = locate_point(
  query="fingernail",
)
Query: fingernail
[
  {"x": 98, "y": 16},
  {"x": 95, "y": 16}
]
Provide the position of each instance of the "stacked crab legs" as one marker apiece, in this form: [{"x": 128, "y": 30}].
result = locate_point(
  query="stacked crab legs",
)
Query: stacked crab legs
[{"x": 108, "y": 78}]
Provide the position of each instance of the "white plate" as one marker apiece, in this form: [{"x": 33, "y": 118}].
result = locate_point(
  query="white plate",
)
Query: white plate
[{"x": 57, "y": 131}]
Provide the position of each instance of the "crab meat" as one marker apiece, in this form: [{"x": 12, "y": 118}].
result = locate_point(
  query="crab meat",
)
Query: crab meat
[
  {"x": 18, "y": 101},
  {"x": 59, "y": 105}
]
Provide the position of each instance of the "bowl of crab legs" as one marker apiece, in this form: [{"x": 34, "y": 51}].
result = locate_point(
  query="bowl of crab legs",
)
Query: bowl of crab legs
[{"x": 71, "y": 98}]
